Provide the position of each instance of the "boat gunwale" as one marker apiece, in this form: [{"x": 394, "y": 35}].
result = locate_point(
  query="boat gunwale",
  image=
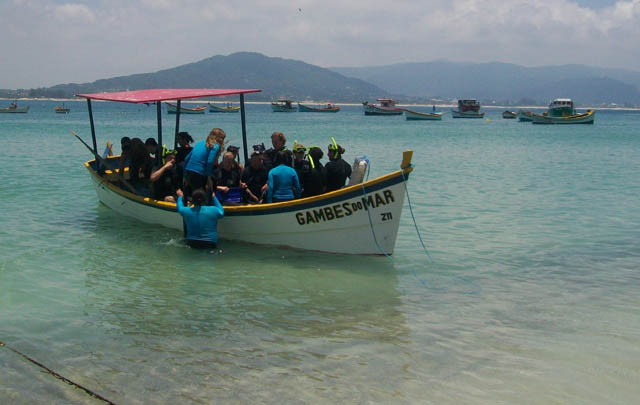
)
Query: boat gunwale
[{"x": 259, "y": 209}]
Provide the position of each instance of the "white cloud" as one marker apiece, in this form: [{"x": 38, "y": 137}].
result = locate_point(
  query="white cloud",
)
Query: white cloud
[
  {"x": 105, "y": 38},
  {"x": 70, "y": 12}
]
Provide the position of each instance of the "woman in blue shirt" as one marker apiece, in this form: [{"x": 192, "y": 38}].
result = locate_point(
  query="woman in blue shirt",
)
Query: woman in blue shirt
[
  {"x": 283, "y": 184},
  {"x": 201, "y": 220},
  {"x": 200, "y": 162}
]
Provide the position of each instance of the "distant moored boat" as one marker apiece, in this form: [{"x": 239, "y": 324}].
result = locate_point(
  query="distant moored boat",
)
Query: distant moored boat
[
  {"x": 468, "y": 108},
  {"x": 525, "y": 115},
  {"x": 13, "y": 108},
  {"x": 62, "y": 110},
  {"x": 509, "y": 115},
  {"x": 562, "y": 111},
  {"x": 172, "y": 109},
  {"x": 387, "y": 107},
  {"x": 282, "y": 105},
  {"x": 328, "y": 108},
  {"x": 228, "y": 108},
  {"x": 414, "y": 115}
]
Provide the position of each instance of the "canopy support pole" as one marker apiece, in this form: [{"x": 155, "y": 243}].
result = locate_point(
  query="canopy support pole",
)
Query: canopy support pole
[
  {"x": 175, "y": 138},
  {"x": 159, "y": 148},
  {"x": 93, "y": 128},
  {"x": 244, "y": 130}
]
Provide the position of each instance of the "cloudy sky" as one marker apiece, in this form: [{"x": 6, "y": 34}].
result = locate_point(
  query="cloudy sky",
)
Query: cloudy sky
[{"x": 47, "y": 42}]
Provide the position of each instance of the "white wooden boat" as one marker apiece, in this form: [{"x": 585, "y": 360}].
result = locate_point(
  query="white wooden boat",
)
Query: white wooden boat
[
  {"x": 414, "y": 115},
  {"x": 172, "y": 109},
  {"x": 358, "y": 219}
]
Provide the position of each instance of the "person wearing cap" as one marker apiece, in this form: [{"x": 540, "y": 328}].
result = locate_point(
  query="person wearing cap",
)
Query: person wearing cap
[
  {"x": 283, "y": 183},
  {"x": 201, "y": 220},
  {"x": 164, "y": 178},
  {"x": 337, "y": 169},
  {"x": 254, "y": 176}
]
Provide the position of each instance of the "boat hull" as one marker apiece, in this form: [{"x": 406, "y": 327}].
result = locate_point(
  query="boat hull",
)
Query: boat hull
[
  {"x": 509, "y": 115},
  {"x": 18, "y": 110},
  {"x": 524, "y": 116},
  {"x": 467, "y": 114},
  {"x": 585, "y": 118},
  {"x": 173, "y": 109},
  {"x": 216, "y": 109},
  {"x": 282, "y": 108},
  {"x": 305, "y": 108},
  {"x": 414, "y": 116},
  {"x": 343, "y": 221}
]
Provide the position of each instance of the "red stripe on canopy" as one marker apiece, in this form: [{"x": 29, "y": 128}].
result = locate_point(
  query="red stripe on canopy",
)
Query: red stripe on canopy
[{"x": 153, "y": 95}]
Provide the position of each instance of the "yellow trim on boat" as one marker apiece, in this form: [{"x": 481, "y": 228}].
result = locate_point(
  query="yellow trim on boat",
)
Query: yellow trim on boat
[{"x": 406, "y": 169}]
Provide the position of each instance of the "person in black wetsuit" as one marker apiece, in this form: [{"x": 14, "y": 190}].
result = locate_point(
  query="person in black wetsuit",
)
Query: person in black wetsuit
[
  {"x": 184, "y": 146},
  {"x": 337, "y": 169},
  {"x": 316, "y": 179},
  {"x": 136, "y": 156},
  {"x": 236, "y": 155},
  {"x": 227, "y": 174},
  {"x": 254, "y": 176},
  {"x": 301, "y": 165},
  {"x": 165, "y": 179},
  {"x": 278, "y": 141}
]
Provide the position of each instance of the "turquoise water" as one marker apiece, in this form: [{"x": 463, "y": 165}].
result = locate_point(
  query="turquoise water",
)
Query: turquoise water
[{"x": 532, "y": 295}]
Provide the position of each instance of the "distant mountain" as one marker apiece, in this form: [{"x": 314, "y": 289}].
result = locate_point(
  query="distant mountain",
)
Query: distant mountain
[
  {"x": 276, "y": 77},
  {"x": 503, "y": 82}
]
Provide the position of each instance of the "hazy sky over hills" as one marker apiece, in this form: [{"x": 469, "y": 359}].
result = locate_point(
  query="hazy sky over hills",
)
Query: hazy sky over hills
[{"x": 47, "y": 42}]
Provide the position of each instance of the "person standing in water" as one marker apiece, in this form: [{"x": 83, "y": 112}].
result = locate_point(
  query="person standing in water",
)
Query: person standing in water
[{"x": 201, "y": 220}]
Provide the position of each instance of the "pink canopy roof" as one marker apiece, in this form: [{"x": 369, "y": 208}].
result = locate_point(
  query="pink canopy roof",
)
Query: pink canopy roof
[{"x": 152, "y": 95}]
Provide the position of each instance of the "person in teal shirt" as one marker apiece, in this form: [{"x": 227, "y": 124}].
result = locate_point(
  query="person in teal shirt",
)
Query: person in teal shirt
[
  {"x": 283, "y": 184},
  {"x": 200, "y": 220},
  {"x": 200, "y": 162}
]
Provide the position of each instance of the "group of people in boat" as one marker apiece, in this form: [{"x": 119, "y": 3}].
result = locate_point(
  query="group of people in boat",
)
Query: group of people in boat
[
  {"x": 200, "y": 183},
  {"x": 273, "y": 175}
]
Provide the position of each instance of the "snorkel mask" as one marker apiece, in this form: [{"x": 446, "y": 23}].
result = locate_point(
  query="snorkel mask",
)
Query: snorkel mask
[{"x": 166, "y": 152}]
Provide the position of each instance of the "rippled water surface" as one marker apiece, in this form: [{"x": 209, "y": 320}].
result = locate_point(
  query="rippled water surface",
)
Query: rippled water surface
[{"x": 532, "y": 295}]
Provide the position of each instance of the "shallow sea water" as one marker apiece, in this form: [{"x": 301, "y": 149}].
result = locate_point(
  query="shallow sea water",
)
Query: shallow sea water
[{"x": 532, "y": 295}]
